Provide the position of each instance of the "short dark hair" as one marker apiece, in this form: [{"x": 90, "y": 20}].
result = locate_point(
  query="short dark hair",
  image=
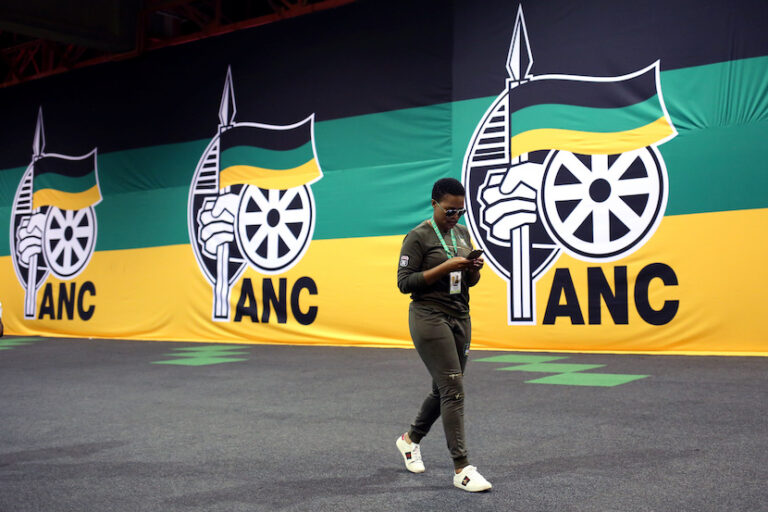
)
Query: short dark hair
[{"x": 447, "y": 186}]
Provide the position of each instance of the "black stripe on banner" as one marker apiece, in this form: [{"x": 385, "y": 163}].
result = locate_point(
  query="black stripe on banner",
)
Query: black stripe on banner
[
  {"x": 72, "y": 168},
  {"x": 602, "y": 37},
  {"x": 266, "y": 138},
  {"x": 366, "y": 57},
  {"x": 584, "y": 94}
]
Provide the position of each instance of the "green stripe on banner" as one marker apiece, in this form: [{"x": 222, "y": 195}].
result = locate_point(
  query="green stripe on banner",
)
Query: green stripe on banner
[
  {"x": 148, "y": 218},
  {"x": 587, "y": 119},
  {"x": 717, "y": 162},
  {"x": 65, "y": 183},
  {"x": 718, "y": 169},
  {"x": 9, "y": 181},
  {"x": 266, "y": 158},
  {"x": 150, "y": 168},
  {"x": 717, "y": 95},
  {"x": 379, "y": 168},
  {"x": 387, "y": 200},
  {"x": 144, "y": 195},
  {"x": 387, "y": 138}
]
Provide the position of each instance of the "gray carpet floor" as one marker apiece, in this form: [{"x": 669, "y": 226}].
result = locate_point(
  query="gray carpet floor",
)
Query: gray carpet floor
[{"x": 131, "y": 426}]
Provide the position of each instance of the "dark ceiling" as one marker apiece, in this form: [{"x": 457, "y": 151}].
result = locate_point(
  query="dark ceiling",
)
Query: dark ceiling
[{"x": 43, "y": 37}]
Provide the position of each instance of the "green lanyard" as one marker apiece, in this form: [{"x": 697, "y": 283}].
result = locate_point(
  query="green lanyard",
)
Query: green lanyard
[{"x": 439, "y": 237}]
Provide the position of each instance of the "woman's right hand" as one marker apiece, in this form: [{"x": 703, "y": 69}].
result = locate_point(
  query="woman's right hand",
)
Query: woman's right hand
[
  {"x": 446, "y": 267},
  {"x": 458, "y": 263}
]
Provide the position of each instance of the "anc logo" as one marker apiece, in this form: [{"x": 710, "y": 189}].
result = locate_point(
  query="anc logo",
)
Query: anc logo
[
  {"x": 564, "y": 163},
  {"x": 53, "y": 222},
  {"x": 250, "y": 202}
]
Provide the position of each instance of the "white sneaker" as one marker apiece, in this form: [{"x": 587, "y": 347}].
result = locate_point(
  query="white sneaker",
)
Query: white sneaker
[
  {"x": 411, "y": 455},
  {"x": 470, "y": 480}
]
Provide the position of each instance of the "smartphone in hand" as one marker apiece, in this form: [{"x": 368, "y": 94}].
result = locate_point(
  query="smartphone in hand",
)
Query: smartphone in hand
[{"x": 474, "y": 254}]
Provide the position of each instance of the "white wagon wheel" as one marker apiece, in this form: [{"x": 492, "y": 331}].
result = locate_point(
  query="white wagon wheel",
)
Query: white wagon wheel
[
  {"x": 603, "y": 206},
  {"x": 274, "y": 226},
  {"x": 68, "y": 240}
]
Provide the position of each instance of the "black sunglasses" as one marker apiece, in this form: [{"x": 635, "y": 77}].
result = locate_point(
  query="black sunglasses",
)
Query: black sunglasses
[{"x": 450, "y": 212}]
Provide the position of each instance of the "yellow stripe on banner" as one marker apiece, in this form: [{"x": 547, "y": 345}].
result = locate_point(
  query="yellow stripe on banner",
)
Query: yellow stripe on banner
[
  {"x": 591, "y": 143},
  {"x": 160, "y": 293},
  {"x": 66, "y": 200},
  {"x": 269, "y": 178},
  {"x": 718, "y": 260}
]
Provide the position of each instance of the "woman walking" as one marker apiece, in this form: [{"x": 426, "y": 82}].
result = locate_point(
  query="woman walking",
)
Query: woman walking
[{"x": 435, "y": 269}]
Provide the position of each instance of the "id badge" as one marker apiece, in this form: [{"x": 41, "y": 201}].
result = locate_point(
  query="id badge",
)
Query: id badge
[{"x": 455, "y": 282}]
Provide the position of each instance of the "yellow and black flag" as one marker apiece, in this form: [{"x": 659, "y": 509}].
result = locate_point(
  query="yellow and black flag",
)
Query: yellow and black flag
[
  {"x": 69, "y": 183},
  {"x": 589, "y": 115},
  {"x": 269, "y": 157}
]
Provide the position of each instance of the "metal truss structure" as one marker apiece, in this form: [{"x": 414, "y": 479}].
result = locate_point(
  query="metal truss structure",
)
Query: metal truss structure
[{"x": 158, "y": 24}]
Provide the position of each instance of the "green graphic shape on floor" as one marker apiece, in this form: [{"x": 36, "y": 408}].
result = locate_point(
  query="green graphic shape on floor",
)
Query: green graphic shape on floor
[
  {"x": 205, "y": 355},
  {"x": 566, "y": 374},
  {"x": 9, "y": 343}
]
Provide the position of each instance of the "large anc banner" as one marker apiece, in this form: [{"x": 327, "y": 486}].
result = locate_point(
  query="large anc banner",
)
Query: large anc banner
[{"x": 257, "y": 186}]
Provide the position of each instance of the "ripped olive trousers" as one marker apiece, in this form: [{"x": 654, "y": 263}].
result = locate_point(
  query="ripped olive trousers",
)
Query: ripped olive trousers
[{"x": 442, "y": 342}]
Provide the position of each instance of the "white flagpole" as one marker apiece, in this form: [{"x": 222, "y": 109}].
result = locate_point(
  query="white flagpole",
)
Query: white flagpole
[
  {"x": 221, "y": 291},
  {"x": 30, "y": 295},
  {"x": 519, "y": 63}
]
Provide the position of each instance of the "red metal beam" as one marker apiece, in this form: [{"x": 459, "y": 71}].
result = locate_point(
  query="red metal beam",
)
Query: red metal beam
[
  {"x": 39, "y": 58},
  {"x": 298, "y": 9}
]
